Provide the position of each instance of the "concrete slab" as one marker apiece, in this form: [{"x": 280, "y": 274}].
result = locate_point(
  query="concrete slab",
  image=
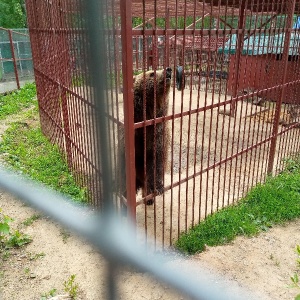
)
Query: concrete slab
[{"x": 9, "y": 86}]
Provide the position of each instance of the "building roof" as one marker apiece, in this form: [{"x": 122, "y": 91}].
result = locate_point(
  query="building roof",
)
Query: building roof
[
  {"x": 160, "y": 8},
  {"x": 263, "y": 44},
  {"x": 278, "y": 6},
  {"x": 205, "y": 43}
]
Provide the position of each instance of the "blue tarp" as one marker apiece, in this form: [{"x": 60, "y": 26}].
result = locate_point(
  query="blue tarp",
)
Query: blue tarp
[
  {"x": 263, "y": 44},
  {"x": 297, "y": 24}
]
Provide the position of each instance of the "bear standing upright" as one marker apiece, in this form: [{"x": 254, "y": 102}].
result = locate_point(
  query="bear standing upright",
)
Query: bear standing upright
[{"x": 151, "y": 145}]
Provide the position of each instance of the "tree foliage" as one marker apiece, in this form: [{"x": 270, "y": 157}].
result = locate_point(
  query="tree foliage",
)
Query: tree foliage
[{"x": 12, "y": 14}]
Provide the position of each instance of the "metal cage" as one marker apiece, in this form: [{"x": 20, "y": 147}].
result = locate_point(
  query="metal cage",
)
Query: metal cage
[{"x": 230, "y": 118}]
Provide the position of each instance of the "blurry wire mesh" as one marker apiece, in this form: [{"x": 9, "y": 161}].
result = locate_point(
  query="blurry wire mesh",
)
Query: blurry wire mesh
[
  {"x": 118, "y": 245},
  {"x": 16, "y": 66},
  {"x": 201, "y": 101}
]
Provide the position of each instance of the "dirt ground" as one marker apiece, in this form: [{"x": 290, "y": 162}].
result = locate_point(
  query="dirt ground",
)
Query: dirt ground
[
  {"x": 262, "y": 265},
  {"x": 212, "y": 146}
]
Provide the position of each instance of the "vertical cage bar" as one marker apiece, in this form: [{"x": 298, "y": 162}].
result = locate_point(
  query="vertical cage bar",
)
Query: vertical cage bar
[
  {"x": 290, "y": 9},
  {"x": 127, "y": 63},
  {"x": 14, "y": 58},
  {"x": 239, "y": 48}
]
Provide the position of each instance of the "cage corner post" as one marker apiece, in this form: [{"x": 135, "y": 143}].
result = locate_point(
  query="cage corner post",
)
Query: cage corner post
[
  {"x": 290, "y": 11},
  {"x": 127, "y": 64},
  {"x": 14, "y": 58},
  {"x": 239, "y": 50}
]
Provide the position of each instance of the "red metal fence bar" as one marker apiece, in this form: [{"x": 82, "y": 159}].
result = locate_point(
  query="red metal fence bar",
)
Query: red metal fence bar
[
  {"x": 290, "y": 10},
  {"x": 14, "y": 58},
  {"x": 127, "y": 63}
]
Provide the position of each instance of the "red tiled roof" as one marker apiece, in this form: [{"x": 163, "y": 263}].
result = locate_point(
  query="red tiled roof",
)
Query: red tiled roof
[
  {"x": 161, "y": 8},
  {"x": 199, "y": 42}
]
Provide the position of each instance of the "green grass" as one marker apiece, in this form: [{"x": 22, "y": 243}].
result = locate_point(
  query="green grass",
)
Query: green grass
[
  {"x": 26, "y": 150},
  {"x": 31, "y": 219},
  {"x": 275, "y": 202},
  {"x": 13, "y": 102}
]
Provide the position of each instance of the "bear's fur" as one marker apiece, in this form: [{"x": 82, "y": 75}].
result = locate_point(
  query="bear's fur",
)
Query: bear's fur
[
  {"x": 180, "y": 81},
  {"x": 156, "y": 139}
]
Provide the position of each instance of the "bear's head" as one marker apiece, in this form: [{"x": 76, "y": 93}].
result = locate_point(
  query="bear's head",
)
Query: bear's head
[{"x": 146, "y": 81}]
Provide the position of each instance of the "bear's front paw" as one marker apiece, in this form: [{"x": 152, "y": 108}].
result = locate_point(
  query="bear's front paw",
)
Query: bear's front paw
[
  {"x": 150, "y": 202},
  {"x": 159, "y": 189}
]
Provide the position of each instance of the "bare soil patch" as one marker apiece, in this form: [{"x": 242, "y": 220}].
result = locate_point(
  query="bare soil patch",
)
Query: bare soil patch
[{"x": 263, "y": 264}]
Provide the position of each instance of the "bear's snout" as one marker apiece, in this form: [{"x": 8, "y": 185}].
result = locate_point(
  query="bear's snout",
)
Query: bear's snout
[{"x": 168, "y": 73}]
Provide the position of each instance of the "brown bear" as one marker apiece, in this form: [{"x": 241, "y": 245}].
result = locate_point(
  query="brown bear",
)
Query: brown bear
[{"x": 154, "y": 143}]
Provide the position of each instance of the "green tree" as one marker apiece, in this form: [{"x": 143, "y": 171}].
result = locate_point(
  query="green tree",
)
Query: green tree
[{"x": 12, "y": 14}]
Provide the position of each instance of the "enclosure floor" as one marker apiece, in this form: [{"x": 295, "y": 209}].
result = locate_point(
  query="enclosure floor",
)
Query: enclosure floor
[{"x": 200, "y": 140}]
